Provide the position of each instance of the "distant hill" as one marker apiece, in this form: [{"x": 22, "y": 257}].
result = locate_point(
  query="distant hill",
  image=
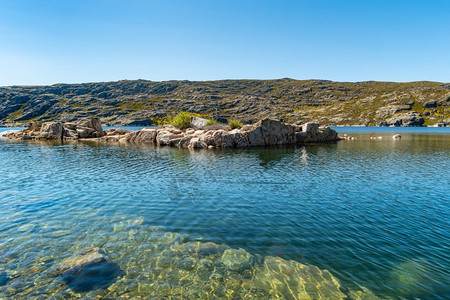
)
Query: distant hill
[{"x": 141, "y": 102}]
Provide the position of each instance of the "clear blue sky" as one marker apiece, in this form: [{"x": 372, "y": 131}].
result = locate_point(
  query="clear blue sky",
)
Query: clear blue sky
[{"x": 52, "y": 41}]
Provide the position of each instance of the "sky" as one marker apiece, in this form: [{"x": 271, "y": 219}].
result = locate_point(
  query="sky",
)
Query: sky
[{"x": 74, "y": 41}]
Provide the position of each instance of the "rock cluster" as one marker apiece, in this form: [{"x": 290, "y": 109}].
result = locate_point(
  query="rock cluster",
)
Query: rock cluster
[
  {"x": 266, "y": 132},
  {"x": 263, "y": 133},
  {"x": 57, "y": 130}
]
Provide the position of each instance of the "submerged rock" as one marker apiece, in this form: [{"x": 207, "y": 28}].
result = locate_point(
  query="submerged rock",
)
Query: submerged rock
[
  {"x": 89, "y": 270},
  {"x": 237, "y": 260},
  {"x": 3, "y": 278},
  {"x": 89, "y": 256},
  {"x": 410, "y": 278},
  {"x": 292, "y": 280}
]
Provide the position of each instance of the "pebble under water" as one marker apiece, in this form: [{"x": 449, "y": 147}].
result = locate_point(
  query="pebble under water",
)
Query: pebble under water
[{"x": 359, "y": 219}]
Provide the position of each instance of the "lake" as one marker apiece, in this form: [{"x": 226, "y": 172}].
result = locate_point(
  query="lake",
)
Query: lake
[{"x": 361, "y": 218}]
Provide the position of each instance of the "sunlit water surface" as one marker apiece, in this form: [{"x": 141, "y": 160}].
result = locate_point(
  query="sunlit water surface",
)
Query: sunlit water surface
[{"x": 259, "y": 223}]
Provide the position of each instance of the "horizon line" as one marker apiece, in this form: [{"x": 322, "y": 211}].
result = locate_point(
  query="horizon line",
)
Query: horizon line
[{"x": 226, "y": 79}]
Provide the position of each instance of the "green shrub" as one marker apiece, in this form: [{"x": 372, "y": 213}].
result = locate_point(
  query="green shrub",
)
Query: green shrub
[
  {"x": 235, "y": 124},
  {"x": 211, "y": 122},
  {"x": 182, "y": 120}
]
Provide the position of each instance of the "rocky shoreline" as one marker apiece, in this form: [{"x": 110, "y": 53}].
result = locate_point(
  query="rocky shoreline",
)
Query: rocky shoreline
[{"x": 266, "y": 132}]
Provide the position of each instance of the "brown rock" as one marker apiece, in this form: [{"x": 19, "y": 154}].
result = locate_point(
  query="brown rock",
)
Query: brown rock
[
  {"x": 167, "y": 138},
  {"x": 146, "y": 135},
  {"x": 51, "y": 131}
]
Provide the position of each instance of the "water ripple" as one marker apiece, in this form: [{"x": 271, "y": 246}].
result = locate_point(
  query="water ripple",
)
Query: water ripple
[{"x": 374, "y": 213}]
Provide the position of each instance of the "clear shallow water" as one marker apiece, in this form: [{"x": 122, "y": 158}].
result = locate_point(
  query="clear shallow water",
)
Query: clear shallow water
[{"x": 375, "y": 213}]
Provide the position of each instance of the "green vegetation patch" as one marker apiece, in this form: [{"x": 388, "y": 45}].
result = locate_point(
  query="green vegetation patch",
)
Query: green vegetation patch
[
  {"x": 211, "y": 122},
  {"x": 182, "y": 120},
  {"x": 16, "y": 114},
  {"x": 235, "y": 124}
]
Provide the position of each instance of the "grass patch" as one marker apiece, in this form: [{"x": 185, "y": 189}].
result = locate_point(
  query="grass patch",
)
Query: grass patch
[
  {"x": 14, "y": 115},
  {"x": 211, "y": 122},
  {"x": 235, "y": 124},
  {"x": 182, "y": 120}
]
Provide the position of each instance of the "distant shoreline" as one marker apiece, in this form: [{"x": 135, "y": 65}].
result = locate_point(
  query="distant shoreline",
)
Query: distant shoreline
[{"x": 144, "y": 103}]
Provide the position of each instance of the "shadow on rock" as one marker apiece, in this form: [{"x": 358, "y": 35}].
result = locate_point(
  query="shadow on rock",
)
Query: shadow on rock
[{"x": 93, "y": 276}]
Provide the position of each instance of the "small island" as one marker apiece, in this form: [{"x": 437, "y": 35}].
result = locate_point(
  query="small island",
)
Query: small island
[{"x": 185, "y": 132}]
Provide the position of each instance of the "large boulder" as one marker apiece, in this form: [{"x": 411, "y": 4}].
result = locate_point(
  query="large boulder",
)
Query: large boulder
[
  {"x": 70, "y": 126},
  {"x": 185, "y": 142},
  {"x": 314, "y": 133},
  {"x": 83, "y": 129},
  {"x": 85, "y": 132},
  {"x": 269, "y": 132},
  {"x": 208, "y": 138},
  {"x": 92, "y": 123},
  {"x": 145, "y": 135},
  {"x": 51, "y": 131},
  {"x": 218, "y": 137},
  {"x": 234, "y": 139},
  {"x": 255, "y": 137},
  {"x": 310, "y": 128},
  {"x": 70, "y": 133},
  {"x": 167, "y": 138},
  {"x": 328, "y": 134},
  {"x": 196, "y": 143},
  {"x": 276, "y": 132}
]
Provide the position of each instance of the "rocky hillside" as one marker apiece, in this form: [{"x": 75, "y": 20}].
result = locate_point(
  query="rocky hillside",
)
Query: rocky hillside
[{"x": 141, "y": 102}]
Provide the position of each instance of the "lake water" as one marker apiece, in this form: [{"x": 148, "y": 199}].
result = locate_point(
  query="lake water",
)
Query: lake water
[{"x": 260, "y": 223}]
